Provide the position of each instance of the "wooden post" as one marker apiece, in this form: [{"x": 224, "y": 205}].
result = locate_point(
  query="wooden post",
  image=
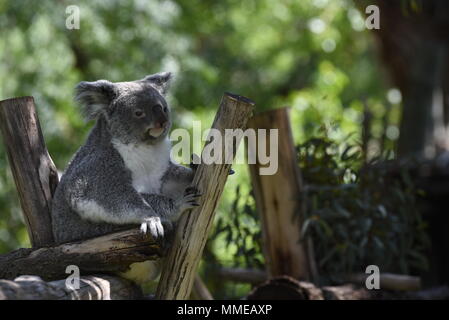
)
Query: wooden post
[
  {"x": 34, "y": 173},
  {"x": 193, "y": 229},
  {"x": 277, "y": 200}
]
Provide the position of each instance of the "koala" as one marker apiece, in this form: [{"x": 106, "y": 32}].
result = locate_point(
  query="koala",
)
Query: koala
[{"x": 123, "y": 175}]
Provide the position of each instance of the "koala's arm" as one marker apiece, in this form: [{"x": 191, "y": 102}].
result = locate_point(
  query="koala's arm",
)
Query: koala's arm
[
  {"x": 176, "y": 179},
  {"x": 107, "y": 198},
  {"x": 111, "y": 199},
  {"x": 101, "y": 190},
  {"x": 169, "y": 208}
]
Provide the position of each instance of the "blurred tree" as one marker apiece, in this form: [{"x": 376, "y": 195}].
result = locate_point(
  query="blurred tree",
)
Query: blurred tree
[{"x": 415, "y": 48}]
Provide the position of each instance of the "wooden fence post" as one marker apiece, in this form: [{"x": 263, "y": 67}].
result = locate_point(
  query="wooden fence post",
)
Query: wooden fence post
[
  {"x": 34, "y": 173},
  {"x": 193, "y": 228},
  {"x": 277, "y": 200}
]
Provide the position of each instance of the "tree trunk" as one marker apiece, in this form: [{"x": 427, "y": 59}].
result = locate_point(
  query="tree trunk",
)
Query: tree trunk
[{"x": 415, "y": 48}]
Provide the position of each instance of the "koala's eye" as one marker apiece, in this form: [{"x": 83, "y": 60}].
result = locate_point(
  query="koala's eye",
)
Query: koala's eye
[
  {"x": 139, "y": 114},
  {"x": 165, "y": 109}
]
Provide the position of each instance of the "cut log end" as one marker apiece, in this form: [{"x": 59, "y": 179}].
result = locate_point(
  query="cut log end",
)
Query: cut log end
[{"x": 239, "y": 98}]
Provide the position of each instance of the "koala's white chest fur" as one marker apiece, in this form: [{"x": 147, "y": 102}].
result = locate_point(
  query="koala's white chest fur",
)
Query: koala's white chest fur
[{"x": 147, "y": 164}]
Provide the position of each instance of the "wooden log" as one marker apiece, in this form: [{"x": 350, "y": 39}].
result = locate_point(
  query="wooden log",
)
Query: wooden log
[
  {"x": 285, "y": 288},
  {"x": 389, "y": 281},
  {"x": 34, "y": 173},
  {"x": 347, "y": 292},
  {"x": 277, "y": 200},
  {"x": 288, "y": 288},
  {"x": 109, "y": 253},
  {"x": 94, "y": 287},
  {"x": 200, "y": 291},
  {"x": 252, "y": 276},
  {"x": 194, "y": 226}
]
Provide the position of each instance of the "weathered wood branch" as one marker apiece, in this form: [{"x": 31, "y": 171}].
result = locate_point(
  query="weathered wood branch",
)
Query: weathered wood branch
[
  {"x": 109, "y": 253},
  {"x": 200, "y": 291},
  {"x": 277, "y": 198},
  {"x": 34, "y": 173},
  {"x": 387, "y": 281},
  {"x": 287, "y": 288},
  {"x": 193, "y": 229},
  {"x": 94, "y": 287}
]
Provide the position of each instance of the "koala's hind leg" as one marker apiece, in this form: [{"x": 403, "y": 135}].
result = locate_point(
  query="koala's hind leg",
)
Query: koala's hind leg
[
  {"x": 142, "y": 272},
  {"x": 176, "y": 179}
]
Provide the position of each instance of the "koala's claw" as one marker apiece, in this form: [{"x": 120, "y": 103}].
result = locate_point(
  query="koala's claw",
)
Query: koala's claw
[
  {"x": 190, "y": 198},
  {"x": 154, "y": 226}
]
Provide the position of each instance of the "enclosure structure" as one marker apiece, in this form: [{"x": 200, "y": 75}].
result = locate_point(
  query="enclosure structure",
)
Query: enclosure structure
[
  {"x": 36, "y": 273},
  {"x": 36, "y": 179}
]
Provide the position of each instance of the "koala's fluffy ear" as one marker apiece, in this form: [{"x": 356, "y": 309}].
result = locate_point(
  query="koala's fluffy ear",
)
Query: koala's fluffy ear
[
  {"x": 94, "y": 97},
  {"x": 160, "y": 81}
]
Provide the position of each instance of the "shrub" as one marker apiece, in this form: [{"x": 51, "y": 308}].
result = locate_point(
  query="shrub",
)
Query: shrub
[{"x": 358, "y": 213}]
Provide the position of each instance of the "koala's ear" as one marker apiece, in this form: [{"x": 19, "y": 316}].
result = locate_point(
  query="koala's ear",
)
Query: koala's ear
[
  {"x": 160, "y": 81},
  {"x": 94, "y": 97}
]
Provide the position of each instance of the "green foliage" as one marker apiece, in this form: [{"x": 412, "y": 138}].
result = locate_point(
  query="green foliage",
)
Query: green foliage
[
  {"x": 307, "y": 54},
  {"x": 240, "y": 229},
  {"x": 359, "y": 214},
  {"x": 312, "y": 55},
  {"x": 235, "y": 242}
]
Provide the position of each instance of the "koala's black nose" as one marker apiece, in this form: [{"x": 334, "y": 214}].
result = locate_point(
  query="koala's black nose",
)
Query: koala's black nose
[{"x": 160, "y": 117}]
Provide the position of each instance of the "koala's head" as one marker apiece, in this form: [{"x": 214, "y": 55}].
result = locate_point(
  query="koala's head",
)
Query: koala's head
[{"x": 136, "y": 111}]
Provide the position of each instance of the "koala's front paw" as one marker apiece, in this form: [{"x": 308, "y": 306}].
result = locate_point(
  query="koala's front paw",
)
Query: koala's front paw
[
  {"x": 152, "y": 225},
  {"x": 189, "y": 199}
]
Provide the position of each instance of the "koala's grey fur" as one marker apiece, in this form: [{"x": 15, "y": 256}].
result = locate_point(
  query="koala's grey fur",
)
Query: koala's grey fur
[{"x": 122, "y": 176}]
